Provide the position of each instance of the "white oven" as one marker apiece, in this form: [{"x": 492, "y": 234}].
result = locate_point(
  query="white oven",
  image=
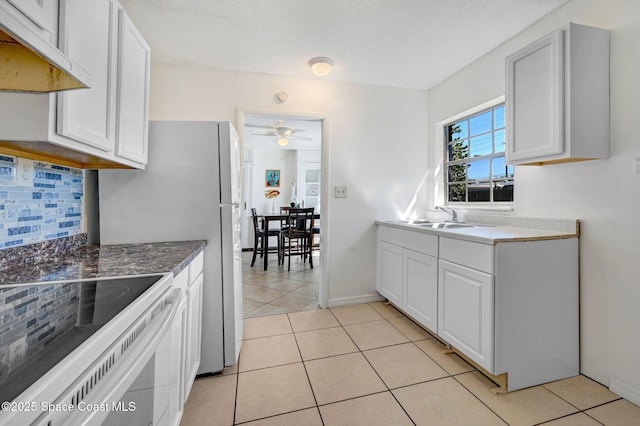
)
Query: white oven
[{"x": 119, "y": 375}]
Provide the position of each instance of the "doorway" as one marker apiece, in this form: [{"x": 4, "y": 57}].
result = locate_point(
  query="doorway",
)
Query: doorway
[{"x": 284, "y": 158}]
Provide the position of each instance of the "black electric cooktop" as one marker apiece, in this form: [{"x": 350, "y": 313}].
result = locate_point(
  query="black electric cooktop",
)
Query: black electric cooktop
[{"x": 41, "y": 324}]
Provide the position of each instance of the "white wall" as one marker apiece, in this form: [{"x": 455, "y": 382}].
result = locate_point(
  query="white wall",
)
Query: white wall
[
  {"x": 267, "y": 159},
  {"x": 376, "y": 145},
  {"x": 604, "y": 194}
]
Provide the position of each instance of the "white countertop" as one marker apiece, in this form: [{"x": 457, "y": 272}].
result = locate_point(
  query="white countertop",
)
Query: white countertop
[{"x": 493, "y": 233}]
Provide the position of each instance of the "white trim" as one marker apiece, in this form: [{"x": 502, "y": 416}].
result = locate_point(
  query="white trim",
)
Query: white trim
[
  {"x": 624, "y": 390},
  {"x": 355, "y": 300},
  {"x": 439, "y": 187}
]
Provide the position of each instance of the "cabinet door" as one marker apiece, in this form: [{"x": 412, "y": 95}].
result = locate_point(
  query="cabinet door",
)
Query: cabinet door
[
  {"x": 89, "y": 36},
  {"x": 389, "y": 282},
  {"x": 44, "y": 14},
  {"x": 420, "y": 295},
  {"x": 133, "y": 92},
  {"x": 194, "y": 333},
  {"x": 535, "y": 100},
  {"x": 177, "y": 372},
  {"x": 465, "y": 311}
]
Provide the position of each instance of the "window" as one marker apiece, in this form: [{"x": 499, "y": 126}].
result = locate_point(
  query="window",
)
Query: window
[{"x": 476, "y": 171}]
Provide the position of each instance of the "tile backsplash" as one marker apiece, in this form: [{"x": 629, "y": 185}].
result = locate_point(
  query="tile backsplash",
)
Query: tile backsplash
[
  {"x": 32, "y": 316},
  {"x": 38, "y": 201}
]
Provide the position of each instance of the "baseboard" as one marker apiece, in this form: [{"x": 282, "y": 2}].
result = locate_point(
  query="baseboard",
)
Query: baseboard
[
  {"x": 355, "y": 300},
  {"x": 626, "y": 391}
]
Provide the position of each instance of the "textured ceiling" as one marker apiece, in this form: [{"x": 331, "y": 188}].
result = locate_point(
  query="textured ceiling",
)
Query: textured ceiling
[{"x": 398, "y": 43}]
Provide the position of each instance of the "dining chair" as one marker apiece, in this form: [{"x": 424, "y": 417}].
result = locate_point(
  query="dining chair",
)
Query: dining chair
[
  {"x": 296, "y": 239},
  {"x": 259, "y": 242},
  {"x": 315, "y": 238}
]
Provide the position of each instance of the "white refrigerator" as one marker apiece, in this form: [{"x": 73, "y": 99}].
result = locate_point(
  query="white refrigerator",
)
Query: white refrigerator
[{"x": 191, "y": 190}]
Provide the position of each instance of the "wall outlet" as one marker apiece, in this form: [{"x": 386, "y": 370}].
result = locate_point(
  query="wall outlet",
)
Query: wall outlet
[
  {"x": 341, "y": 192},
  {"x": 25, "y": 172},
  {"x": 17, "y": 350}
]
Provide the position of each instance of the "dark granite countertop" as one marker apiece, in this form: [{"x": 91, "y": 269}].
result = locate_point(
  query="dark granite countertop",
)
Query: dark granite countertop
[{"x": 91, "y": 262}]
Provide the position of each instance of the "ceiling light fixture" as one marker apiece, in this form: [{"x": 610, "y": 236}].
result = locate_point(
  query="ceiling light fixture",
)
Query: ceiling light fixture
[
  {"x": 283, "y": 142},
  {"x": 321, "y": 66}
]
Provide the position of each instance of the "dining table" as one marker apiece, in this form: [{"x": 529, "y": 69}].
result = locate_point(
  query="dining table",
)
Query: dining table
[{"x": 267, "y": 219}]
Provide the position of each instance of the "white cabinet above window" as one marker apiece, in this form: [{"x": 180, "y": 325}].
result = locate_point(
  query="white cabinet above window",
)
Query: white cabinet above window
[{"x": 558, "y": 98}]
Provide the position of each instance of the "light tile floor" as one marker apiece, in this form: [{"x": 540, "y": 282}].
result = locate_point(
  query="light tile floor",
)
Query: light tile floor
[
  {"x": 277, "y": 290},
  {"x": 370, "y": 365}
]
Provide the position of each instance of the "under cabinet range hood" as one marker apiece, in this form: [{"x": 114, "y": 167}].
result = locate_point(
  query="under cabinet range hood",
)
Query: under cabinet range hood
[{"x": 36, "y": 66}]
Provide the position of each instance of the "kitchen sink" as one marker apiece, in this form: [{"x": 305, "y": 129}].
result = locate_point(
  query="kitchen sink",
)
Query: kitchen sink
[
  {"x": 413, "y": 221},
  {"x": 426, "y": 223},
  {"x": 447, "y": 225}
]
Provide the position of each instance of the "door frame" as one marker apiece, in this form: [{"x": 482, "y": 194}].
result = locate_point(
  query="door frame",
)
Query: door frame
[{"x": 323, "y": 287}]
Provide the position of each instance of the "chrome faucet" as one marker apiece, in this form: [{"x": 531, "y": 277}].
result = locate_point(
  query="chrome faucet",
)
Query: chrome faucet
[{"x": 452, "y": 212}]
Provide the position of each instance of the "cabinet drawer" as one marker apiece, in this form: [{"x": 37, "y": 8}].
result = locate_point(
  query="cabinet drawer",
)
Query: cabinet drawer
[
  {"x": 413, "y": 240},
  {"x": 474, "y": 255}
]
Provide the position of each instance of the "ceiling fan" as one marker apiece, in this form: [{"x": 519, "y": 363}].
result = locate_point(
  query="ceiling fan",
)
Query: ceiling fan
[{"x": 282, "y": 133}]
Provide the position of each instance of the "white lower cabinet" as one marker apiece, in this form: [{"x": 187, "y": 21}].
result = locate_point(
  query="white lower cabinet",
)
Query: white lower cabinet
[
  {"x": 465, "y": 317},
  {"x": 509, "y": 307},
  {"x": 390, "y": 272},
  {"x": 194, "y": 323},
  {"x": 186, "y": 332},
  {"x": 177, "y": 371},
  {"x": 408, "y": 273},
  {"x": 420, "y": 287}
]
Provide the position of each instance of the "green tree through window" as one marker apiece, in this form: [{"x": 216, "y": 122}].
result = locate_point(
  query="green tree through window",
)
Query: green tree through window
[{"x": 475, "y": 161}]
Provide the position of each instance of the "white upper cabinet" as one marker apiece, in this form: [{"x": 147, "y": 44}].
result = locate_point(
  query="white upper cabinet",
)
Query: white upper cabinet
[
  {"x": 29, "y": 49},
  {"x": 88, "y": 116},
  {"x": 134, "y": 63},
  {"x": 558, "y": 98},
  {"x": 103, "y": 126},
  {"x": 42, "y": 16}
]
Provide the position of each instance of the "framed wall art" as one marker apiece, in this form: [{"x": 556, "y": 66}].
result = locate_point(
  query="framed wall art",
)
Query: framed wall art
[{"x": 272, "y": 179}]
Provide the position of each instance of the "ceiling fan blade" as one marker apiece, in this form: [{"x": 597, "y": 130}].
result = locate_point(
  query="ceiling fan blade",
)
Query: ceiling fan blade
[
  {"x": 265, "y": 134},
  {"x": 258, "y": 126},
  {"x": 300, "y": 138}
]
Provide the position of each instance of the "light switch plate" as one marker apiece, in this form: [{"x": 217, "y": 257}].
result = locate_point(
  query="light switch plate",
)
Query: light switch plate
[
  {"x": 636, "y": 165},
  {"x": 341, "y": 192}
]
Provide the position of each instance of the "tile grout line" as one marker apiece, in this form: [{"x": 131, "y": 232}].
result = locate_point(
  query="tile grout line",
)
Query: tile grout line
[
  {"x": 455, "y": 376},
  {"x": 378, "y": 374},
  {"x": 388, "y": 389},
  {"x": 476, "y": 397},
  {"x": 304, "y": 365},
  {"x": 235, "y": 400}
]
